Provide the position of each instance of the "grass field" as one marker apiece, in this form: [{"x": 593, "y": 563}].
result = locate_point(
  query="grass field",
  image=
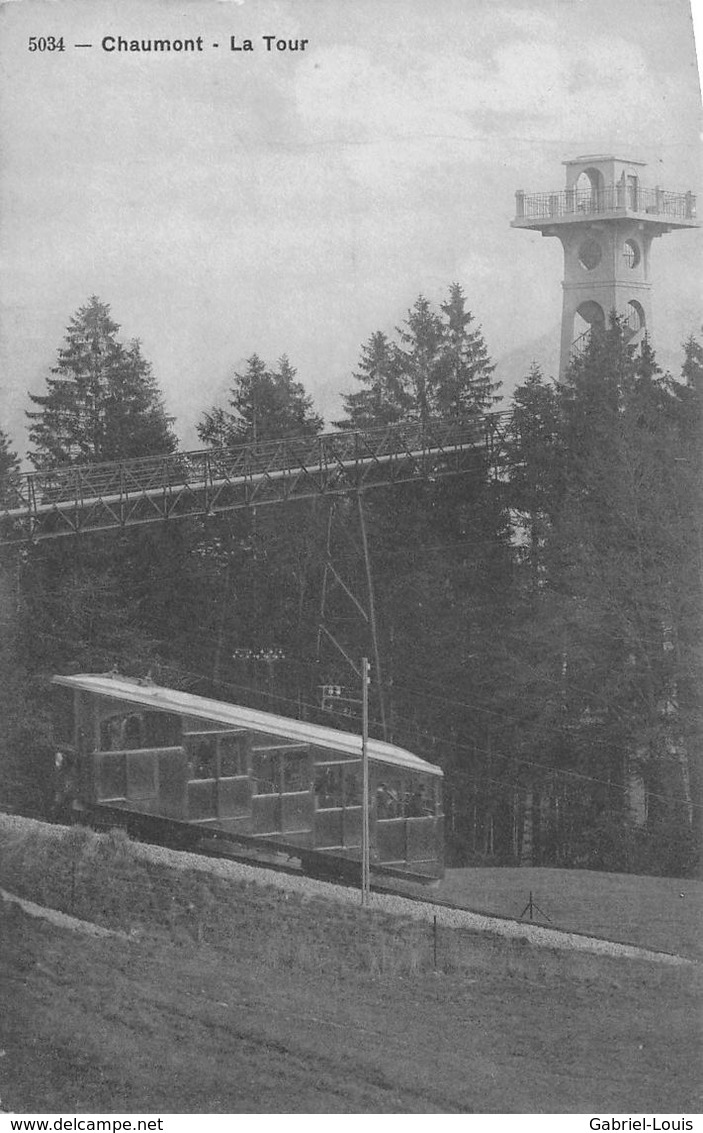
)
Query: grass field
[
  {"x": 656, "y": 912},
  {"x": 165, "y": 1025},
  {"x": 241, "y": 998}
]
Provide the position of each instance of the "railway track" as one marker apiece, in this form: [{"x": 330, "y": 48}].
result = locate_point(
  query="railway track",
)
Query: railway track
[{"x": 436, "y": 907}]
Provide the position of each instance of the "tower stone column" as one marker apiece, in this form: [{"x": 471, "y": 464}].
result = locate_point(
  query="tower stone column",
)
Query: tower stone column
[{"x": 606, "y": 220}]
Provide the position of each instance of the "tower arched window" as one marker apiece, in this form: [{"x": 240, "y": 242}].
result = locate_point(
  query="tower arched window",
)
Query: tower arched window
[
  {"x": 589, "y": 190},
  {"x": 631, "y": 253},
  {"x": 635, "y": 318}
]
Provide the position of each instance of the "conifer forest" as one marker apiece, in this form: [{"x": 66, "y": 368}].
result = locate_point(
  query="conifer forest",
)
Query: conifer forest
[{"x": 534, "y": 629}]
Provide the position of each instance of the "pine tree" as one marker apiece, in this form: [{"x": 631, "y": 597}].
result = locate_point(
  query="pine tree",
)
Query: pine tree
[
  {"x": 688, "y": 613},
  {"x": 264, "y": 404},
  {"x": 102, "y": 401},
  {"x": 692, "y": 369},
  {"x": 597, "y": 464},
  {"x": 83, "y": 601},
  {"x": 534, "y": 467},
  {"x": 259, "y": 559},
  {"x": 440, "y": 552},
  {"x": 422, "y": 340},
  {"x": 439, "y": 367},
  {"x": 12, "y": 678},
  {"x": 466, "y": 387},
  {"x": 9, "y": 463},
  {"x": 135, "y": 422},
  {"x": 385, "y": 398}
]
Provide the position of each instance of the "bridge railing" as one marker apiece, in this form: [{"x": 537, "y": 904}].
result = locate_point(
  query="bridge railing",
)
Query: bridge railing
[{"x": 97, "y": 496}]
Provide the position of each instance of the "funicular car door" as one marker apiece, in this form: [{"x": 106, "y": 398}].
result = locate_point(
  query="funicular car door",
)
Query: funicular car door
[
  {"x": 337, "y": 783},
  {"x": 407, "y": 824},
  {"x": 219, "y": 789},
  {"x": 137, "y": 759},
  {"x": 282, "y": 789}
]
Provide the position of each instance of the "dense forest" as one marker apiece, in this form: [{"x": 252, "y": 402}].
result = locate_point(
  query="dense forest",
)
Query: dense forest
[{"x": 534, "y": 628}]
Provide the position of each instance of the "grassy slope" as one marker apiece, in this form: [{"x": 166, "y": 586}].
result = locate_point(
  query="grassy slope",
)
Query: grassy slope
[
  {"x": 238, "y": 998},
  {"x": 658, "y": 912},
  {"x": 162, "y": 1025}
]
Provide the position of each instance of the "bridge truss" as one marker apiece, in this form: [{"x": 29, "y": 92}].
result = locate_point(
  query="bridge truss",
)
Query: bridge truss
[{"x": 101, "y": 497}]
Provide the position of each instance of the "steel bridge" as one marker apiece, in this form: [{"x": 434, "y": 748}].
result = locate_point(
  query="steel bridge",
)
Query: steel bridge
[{"x": 125, "y": 493}]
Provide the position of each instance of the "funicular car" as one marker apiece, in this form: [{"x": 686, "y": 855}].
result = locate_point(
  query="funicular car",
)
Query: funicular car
[{"x": 176, "y": 762}]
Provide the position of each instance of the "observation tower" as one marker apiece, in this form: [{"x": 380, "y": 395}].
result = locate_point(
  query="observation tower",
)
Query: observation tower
[{"x": 606, "y": 221}]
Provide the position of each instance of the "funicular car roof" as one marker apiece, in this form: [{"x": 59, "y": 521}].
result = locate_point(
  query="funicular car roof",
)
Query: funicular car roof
[{"x": 162, "y": 699}]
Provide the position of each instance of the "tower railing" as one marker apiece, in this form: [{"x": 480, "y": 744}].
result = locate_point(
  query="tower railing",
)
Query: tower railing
[
  {"x": 98, "y": 497},
  {"x": 622, "y": 198}
]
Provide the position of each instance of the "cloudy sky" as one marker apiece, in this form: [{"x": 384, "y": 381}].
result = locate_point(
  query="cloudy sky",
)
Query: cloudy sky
[{"x": 294, "y": 202}]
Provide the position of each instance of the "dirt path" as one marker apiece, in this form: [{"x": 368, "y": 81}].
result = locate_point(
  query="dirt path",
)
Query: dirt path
[{"x": 106, "y": 1025}]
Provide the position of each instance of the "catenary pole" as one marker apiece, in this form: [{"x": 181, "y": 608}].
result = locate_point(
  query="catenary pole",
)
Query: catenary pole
[{"x": 365, "y": 781}]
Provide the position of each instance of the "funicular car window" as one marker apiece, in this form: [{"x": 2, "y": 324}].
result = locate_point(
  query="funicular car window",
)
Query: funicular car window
[
  {"x": 338, "y": 785},
  {"x": 233, "y": 757},
  {"x": 295, "y": 772},
  {"x": 130, "y": 731},
  {"x": 389, "y": 796},
  {"x": 329, "y": 790},
  {"x": 161, "y": 729},
  {"x": 202, "y": 758},
  {"x": 111, "y": 734},
  {"x": 419, "y": 800},
  {"x": 267, "y": 772},
  {"x": 121, "y": 733},
  {"x": 404, "y": 796},
  {"x": 352, "y": 786}
]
